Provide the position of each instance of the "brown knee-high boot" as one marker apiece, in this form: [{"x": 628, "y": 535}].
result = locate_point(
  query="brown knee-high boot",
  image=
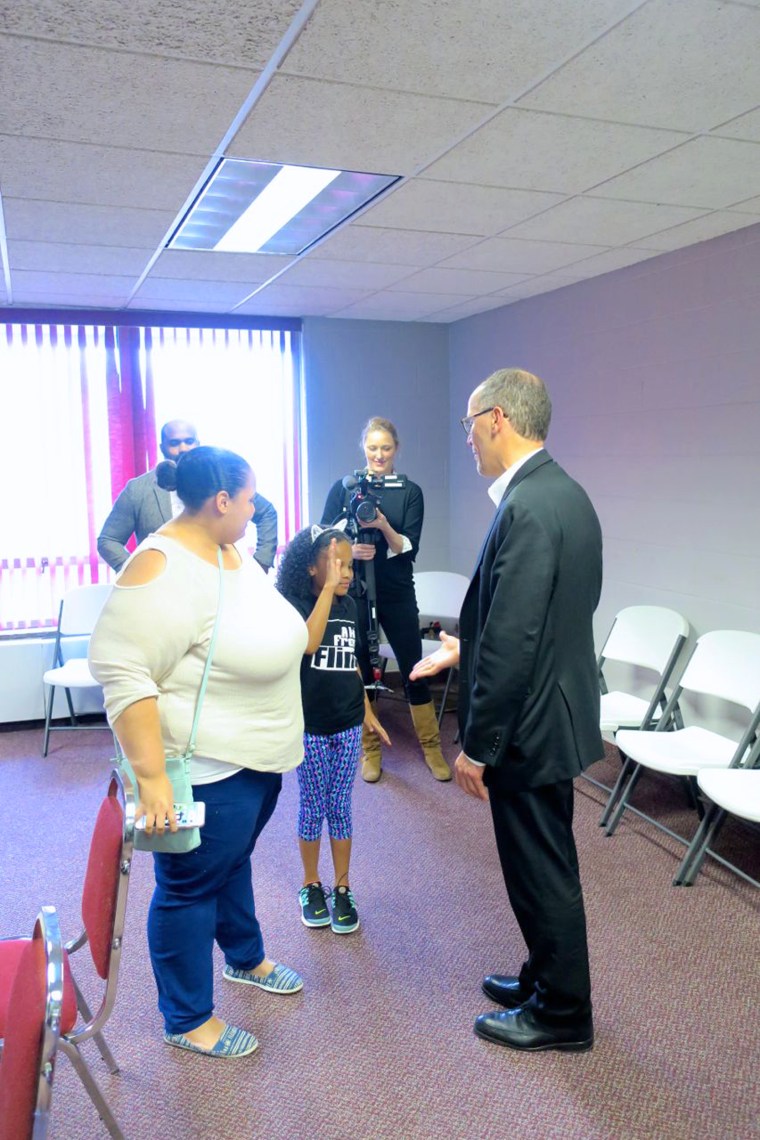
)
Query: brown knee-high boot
[
  {"x": 372, "y": 756},
  {"x": 426, "y": 727}
]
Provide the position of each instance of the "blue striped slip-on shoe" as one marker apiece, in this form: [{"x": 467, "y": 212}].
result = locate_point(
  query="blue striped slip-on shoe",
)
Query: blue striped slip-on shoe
[
  {"x": 233, "y": 1043},
  {"x": 281, "y": 980}
]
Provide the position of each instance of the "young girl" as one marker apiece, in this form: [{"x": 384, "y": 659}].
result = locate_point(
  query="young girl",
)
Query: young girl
[{"x": 314, "y": 575}]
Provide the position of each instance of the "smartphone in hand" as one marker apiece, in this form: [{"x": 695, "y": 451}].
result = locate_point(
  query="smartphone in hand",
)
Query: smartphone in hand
[{"x": 187, "y": 815}]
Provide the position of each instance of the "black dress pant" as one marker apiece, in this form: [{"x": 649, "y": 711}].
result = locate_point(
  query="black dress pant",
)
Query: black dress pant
[{"x": 534, "y": 837}]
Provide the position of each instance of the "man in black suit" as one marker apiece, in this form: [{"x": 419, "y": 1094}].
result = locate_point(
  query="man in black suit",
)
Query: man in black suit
[{"x": 529, "y": 704}]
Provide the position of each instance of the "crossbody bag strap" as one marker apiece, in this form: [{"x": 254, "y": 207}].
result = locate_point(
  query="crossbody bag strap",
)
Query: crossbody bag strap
[{"x": 207, "y": 667}]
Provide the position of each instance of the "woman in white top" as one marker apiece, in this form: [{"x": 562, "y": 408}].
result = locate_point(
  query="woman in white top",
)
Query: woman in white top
[{"x": 148, "y": 651}]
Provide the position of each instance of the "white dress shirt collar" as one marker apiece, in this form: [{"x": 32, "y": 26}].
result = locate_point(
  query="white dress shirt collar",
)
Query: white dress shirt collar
[{"x": 499, "y": 486}]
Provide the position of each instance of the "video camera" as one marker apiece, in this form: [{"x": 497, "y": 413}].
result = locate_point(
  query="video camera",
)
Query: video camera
[{"x": 367, "y": 496}]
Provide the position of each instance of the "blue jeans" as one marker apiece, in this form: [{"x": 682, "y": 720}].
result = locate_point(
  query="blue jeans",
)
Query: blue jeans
[{"x": 207, "y": 894}]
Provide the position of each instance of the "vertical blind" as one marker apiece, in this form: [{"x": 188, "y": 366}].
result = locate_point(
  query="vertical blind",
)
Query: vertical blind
[{"x": 82, "y": 407}]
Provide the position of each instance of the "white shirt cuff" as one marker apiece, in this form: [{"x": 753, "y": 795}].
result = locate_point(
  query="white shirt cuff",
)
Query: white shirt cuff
[{"x": 405, "y": 545}]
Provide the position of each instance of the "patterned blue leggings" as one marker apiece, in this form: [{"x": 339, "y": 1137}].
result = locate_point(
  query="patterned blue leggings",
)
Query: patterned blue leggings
[{"x": 326, "y": 780}]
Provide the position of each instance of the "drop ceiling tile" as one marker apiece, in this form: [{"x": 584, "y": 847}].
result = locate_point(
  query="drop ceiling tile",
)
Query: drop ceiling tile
[
  {"x": 468, "y": 309},
  {"x": 602, "y": 222},
  {"x": 747, "y": 205},
  {"x": 356, "y": 242},
  {"x": 344, "y": 274},
  {"x": 513, "y": 255},
  {"x": 702, "y": 229},
  {"x": 745, "y": 127},
  {"x": 399, "y": 306},
  {"x": 534, "y": 151},
  {"x": 241, "y": 31},
  {"x": 29, "y": 220},
  {"x": 141, "y": 101},
  {"x": 299, "y": 301},
  {"x": 51, "y": 257},
  {"x": 680, "y": 66},
  {"x": 207, "y": 304},
  {"x": 75, "y": 286},
  {"x": 473, "y": 281},
  {"x": 165, "y": 289},
  {"x": 537, "y": 286},
  {"x": 708, "y": 172},
  {"x": 487, "y": 51},
  {"x": 205, "y": 265},
  {"x": 606, "y": 262},
  {"x": 309, "y": 122},
  {"x": 48, "y": 298},
  {"x": 97, "y": 175},
  {"x": 450, "y": 207}
]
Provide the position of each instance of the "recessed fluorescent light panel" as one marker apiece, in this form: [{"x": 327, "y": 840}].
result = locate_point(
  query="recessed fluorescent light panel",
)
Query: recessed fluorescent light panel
[{"x": 265, "y": 207}]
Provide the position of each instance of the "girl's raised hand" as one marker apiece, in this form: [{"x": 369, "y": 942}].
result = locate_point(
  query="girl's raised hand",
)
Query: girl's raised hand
[{"x": 334, "y": 564}]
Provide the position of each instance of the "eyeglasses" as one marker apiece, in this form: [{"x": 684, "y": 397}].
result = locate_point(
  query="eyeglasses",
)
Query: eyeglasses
[{"x": 467, "y": 422}]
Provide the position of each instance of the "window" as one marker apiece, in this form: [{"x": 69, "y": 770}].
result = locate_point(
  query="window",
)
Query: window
[{"x": 82, "y": 407}]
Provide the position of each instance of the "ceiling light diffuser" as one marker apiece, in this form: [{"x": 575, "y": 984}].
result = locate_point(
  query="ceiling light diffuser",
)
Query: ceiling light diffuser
[{"x": 264, "y": 207}]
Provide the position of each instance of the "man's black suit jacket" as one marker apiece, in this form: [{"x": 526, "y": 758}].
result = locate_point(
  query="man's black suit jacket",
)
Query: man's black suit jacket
[{"x": 529, "y": 689}]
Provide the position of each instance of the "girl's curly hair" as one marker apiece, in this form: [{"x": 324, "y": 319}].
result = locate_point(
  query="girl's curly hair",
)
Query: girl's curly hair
[{"x": 293, "y": 576}]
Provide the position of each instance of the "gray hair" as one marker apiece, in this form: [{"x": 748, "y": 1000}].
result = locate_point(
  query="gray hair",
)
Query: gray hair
[{"x": 523, "y": 399}]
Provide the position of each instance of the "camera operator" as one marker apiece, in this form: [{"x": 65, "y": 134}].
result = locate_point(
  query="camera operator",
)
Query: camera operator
[{"x": 384, "y": 550}]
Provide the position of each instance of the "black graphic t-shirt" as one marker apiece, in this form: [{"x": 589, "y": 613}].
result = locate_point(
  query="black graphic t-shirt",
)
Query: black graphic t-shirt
[{"x": 331, "y": 689}]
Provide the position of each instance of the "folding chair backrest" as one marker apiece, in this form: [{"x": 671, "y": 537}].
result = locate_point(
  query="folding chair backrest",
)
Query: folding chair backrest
[
  {"x": 81, "y": 608},
  {"x": 726, "y": 664},
  {"x": 646, "y": 636},
  {"x": 101, "y": 883},
  {"x": 440, "y": 593},
  {"x": 31, "y": 1033}
]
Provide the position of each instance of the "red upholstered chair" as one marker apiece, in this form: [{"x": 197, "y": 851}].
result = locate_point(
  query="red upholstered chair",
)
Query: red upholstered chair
[
  {"x": 104, "y": 901},
  {"x": 32, "y": 979}
]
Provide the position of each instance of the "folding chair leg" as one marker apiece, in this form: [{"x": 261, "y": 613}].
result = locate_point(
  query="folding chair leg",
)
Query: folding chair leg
[
  {"x": 72, "y": 714},
  {"x": 616, "y": 790},
  {"x": 48, "y": 715},
  {"x": 94, "y": 1093},
  {"x": 621, "y": 804},
  {"x": 445, "y": 697},
  {"x": 98, "y": 1038},
  {"x": 692, "y": 861}
]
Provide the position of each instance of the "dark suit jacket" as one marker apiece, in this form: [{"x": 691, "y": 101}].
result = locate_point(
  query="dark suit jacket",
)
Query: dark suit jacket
[
  {"x": 143, "y": 507},
  {"x": 529, "y": 688}
]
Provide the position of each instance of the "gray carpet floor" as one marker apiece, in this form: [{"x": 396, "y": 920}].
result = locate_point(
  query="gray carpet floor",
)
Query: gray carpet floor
[{"x": 380, "y": 1043}]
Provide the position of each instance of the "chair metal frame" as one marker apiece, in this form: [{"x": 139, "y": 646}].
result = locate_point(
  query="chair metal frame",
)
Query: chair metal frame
[
  {"x": 647, "y": 637},
  {"x": 77, "y": 614},
  {"x": 715, "y": 654},
  {"x": 715, "y": 784},
  {"x": 51, "y": 981},
  {"x": 92, "y": 1025},
  {"x": 84, "y": 1024}
]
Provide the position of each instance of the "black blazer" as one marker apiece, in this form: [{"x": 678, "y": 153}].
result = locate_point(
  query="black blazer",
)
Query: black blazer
[{"x": 529, "y": 689}]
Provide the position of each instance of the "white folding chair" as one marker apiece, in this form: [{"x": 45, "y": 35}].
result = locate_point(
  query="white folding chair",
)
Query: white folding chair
[
  {"x": 642, "y": 637},
  {"x": 733, "y": 791},
  {"x": 646, "y": 637},
  {"x": 79, "y": 611},
  {"x": 440, "y": 594},
  {"x": 725, "y": 664}
]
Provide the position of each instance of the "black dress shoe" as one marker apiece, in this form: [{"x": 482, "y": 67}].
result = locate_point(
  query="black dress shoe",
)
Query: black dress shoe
[
  {"x": 506, "y": 990},
  {"x": 519, "y": 1029}
]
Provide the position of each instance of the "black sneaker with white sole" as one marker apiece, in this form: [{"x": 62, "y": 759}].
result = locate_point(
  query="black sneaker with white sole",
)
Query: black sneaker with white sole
[
  {"x": 344, "y": 916},
  {"x": 313, "y": 900}
]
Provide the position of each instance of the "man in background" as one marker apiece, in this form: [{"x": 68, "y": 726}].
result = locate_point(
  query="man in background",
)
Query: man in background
[
  {"x": 143, "y": 506},
  {"x": 529, "y": 704}
]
